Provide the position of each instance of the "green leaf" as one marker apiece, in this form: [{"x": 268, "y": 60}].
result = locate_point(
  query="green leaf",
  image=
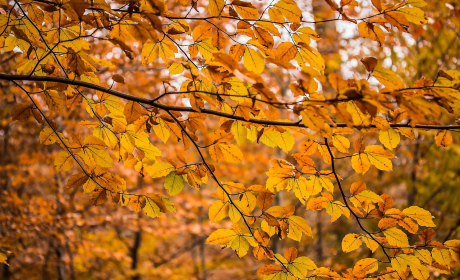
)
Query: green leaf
[{"x": 174, "y": 183}]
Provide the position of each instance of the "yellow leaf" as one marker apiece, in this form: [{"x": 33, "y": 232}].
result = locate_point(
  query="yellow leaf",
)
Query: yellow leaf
[
  {"x": 337, "y": 209},
  {"x": 275, "y": 15},
  {"x": 206, "y": 49},
  {"x": 176, "y": 68},
  {"x": 285, "y": 51},
  {"x": 381, "y": 123},
  {"x": 443, "y": 138},
  {"x": 245, "y": 9},
  {"x": 317, "y": 203},
  {"x": 399, "y": 264},
  {"x": 161, "y": 130},
  {"x": 77, "y": 180},
  {"x": 390, "y": 138},
  {"x": 218, "y": 211},
  {"x": 359, "y": 119},
  {"x": 221, "y": 237},
  {"x": 54, "y": 101},
  {"x": 418, "y": 270},
  {"x": 228, "y": 152},
  {"x": 98, "y": 196},
  {"x": 308, "y": 147},
  {"x": 269, "y": 26},
  {"x": 325, "y": 153},
  {"x": 374, "y": 32},
  {"x": 264, "y": 201},
  {"x": 174, "y": 183},
  {"x": 417, "y": 3},
  {"x": 365, "y": 266},
  {"x": 132, "y": 111},
  {"x": 409, "y": 224},
  {"x": 137, "y": 203},
  {"x": 300, "y": 267},
  {"x": 414, "y": 15},
  {"x": 286, "y": 141},
  {"x": 300, "y": 225},
  {"x": 94, "y": 142},
  {"x": 421, "y": 216},
  {"x": 370, "y": 243},
  {"x": 143, "y": 143},
  {"x": 378, "y": 151},
  {"x": 253, "y": 60},
  {"x": 234, "y": 214},
  {"x": 164, "y": 203},
  {"x": 269, "y": 269},
  {"x": 357, "y": 187},
  {"x": 100, "y": 157},
  {"x": 108, "y": 136},
  {"x": 315, "y": 186},
  {"x": 268, "y": 229},
  {"x": 277, "y": 183},
  {"x": 150, "y": 206},
  {"x": 388, "y": 78},
  {"x": 239, "y": 131},
  {"x": 165, "y": 52},
  {"x": 47, "y": 136},
  {"x": 90, "y": 77},
  {"x": 215, "y": 7},
  {"x": 379, "y": 157},
  {"x": 159, "y": 169},
  {"x": 89, "y": 186},
  {"x": 423, "y": 255},
  {"x": 406, "y": 131},
  {"x": 281, "y": 212},
  {"x": 201, "y": 32},
  {"x": 454, "y": 248},
  {"x": 300, "y": 188},
  {"x": 240, "y": 245},
  {"x": 397, "y": 19},
  {"x": 3, "y": 256},
  {"x": 351, "y": 242},
  {"x": 313, "y": 57},
  {"x": 326, "y": 183},
  {"x": 309, "y": 32},
  {"x": 290, "y": 10},
  {"x": 341, "y": 143},
  {"x": 387, "y": 223},
  {"x": 360, "y": 163},
  {"x": 307, "y": 163},
  {"x": 150, "y": 52},
  {"x": 369, "y": 195},
  {"x": 247, "y": 202},
  {"x": 394, "y": 213},
  {"x": 441, "y": 256},
  {"x": 396, "y": 237},
  {"x": 63, "y": 161},
  {"x": 270, "y": 139}
]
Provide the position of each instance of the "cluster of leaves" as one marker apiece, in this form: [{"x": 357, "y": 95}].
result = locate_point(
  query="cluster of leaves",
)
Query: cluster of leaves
[{"x": 224, "y": 101}]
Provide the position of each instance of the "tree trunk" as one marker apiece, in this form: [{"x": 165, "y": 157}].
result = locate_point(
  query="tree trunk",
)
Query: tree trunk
[
  {"x": 319, "y": 227},
  {"x": 413, "y": 191},
  {"x": 134, "y": 253}
]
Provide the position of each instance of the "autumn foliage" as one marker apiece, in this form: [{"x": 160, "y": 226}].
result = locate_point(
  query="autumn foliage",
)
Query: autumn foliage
[{"x": 262, "y": 127}]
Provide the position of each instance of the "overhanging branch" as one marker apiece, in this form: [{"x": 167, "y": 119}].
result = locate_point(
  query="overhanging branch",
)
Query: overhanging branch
[{"x": 165, "y": 107}]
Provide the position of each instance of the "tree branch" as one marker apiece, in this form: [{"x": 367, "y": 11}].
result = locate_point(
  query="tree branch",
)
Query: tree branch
[{"x": 165, "y": 107}]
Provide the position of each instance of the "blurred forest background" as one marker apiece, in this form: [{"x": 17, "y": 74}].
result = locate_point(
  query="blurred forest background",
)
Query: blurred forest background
[{"x": 53, "y": 232}]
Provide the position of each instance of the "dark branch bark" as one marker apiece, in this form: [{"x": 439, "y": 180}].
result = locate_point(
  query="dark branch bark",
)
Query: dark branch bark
[
  {"x": 150, "y": 102},
  {"x": 134, "y": 253}
]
